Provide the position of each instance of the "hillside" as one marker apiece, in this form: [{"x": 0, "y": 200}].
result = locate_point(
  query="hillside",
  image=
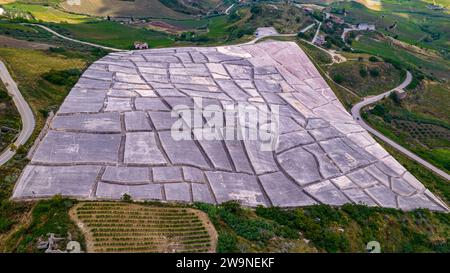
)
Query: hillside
[{"x": 118, "y": 8}]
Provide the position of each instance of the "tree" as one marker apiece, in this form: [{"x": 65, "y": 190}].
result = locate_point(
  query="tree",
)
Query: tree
[
  {"x": 374, "y": 72},
  {"x": 338, "y": 78},
  {"x": 395, "y": 98},
  {"x": 363, "y": 72}
]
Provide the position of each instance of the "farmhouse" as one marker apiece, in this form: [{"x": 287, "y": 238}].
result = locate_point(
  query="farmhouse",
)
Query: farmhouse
[
  {"x": 364, "y": 26},
  {"x": 140, "y": 45}
]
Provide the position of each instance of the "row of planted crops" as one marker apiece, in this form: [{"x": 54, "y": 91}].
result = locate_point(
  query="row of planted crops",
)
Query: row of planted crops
[{"x": 126, "y": 227}]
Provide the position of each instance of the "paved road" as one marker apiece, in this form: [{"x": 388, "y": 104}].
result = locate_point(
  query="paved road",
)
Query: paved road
[
  {"x": 74, "y": 40},
  {"x": 227, "y": 11},
  {"x": 25, "y": 112},
  {"x": 317, "y": 33},
  {"x": 356, "y": 113}
]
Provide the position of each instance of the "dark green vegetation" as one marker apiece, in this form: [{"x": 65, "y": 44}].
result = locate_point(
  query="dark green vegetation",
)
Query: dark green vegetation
[
  {"x": 365, "y": 77},
  {"x": 345, "y": 229},
  {"x": 419, "y": 122},
  {"x": 283, "y": 17},
  {"x": 10, "y": 123},
  {"x": 47, "y": 216}
]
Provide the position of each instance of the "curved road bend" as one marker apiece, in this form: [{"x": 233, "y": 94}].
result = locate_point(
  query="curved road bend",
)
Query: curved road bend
[
  {"x": 277, "y": 35},
  {"x": 356, "y": 113},
  {"x": 24, "y": 109},
  {"x": 74, "y": 40}
]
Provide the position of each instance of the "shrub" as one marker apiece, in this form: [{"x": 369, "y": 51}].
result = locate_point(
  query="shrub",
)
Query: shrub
[
  {"x": 363, "y": 72},
  {"x": 373, "y": 59},
  {"x": 227, "y": 243},
  {"x": 126, "y": 198},
  {"x": 62, "y": 77},
  {"x": 301, "y": 35},
  {"x": 338, "y": 78},
  {"x": 378, "y": 110},
  {"x": 374, "y": 72},
  {"x": 395, "y": 98}
]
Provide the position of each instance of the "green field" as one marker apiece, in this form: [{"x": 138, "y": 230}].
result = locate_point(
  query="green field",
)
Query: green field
[
  {"x": 28, "y": 67},
  {"x": 114, "y": 34},
  {"x": 430, "y": 65},
  {"x": 46, "y": 13},
  {"x": 326, "y": 229},
  {"x": 283, "y": 17}
]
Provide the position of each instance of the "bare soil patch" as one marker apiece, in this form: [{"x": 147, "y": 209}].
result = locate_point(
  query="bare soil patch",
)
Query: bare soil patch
[{"x": 15, "y": 43}]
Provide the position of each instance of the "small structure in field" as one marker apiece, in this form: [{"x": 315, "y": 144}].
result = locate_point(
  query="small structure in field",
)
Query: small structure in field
[
  {"x": 2, "y": 11},
  {"x": 364, "y": 26},
  {"x": 140, "y": 45}
]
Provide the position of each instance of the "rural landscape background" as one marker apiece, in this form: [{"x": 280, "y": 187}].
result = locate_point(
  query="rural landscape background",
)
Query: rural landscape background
[{"x": 404, "y": 35}]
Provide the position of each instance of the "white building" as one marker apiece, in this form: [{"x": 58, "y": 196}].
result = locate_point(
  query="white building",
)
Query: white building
[
  {"x": 2, "y": 11},
  {"x": 364, "y": 26}
]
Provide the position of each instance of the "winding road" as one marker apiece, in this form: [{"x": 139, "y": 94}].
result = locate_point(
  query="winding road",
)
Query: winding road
[
  {"x": 356, "y": 113},
  {"x": 227, "y": 11},
  {"x": 28, "y": 122}
]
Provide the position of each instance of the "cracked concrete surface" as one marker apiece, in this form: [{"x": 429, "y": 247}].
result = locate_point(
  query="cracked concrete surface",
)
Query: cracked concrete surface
[{"x": 112, "y": 136}]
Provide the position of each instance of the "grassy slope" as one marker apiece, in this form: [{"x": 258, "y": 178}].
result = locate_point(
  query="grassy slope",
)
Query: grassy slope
[
  {"x": 326, "y": 229},
  {"x": 9, "y": 117},
  {"x": 114, "y": 34},
  {"x": 366, "y": 84},
  {"x": 27, "y": 68},
  {"x": 379, "y": 46},
  {"x": 137, "y": 8},
  {"x": 285, "y": 18},
  {"x": 47, "y": 216},
  {"x": 420, "y": 123},
  {"x": 46, "y": 13}
]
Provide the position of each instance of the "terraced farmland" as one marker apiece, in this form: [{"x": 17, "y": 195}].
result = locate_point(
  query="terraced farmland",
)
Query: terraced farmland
[{"x": 123, "y": 227}]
